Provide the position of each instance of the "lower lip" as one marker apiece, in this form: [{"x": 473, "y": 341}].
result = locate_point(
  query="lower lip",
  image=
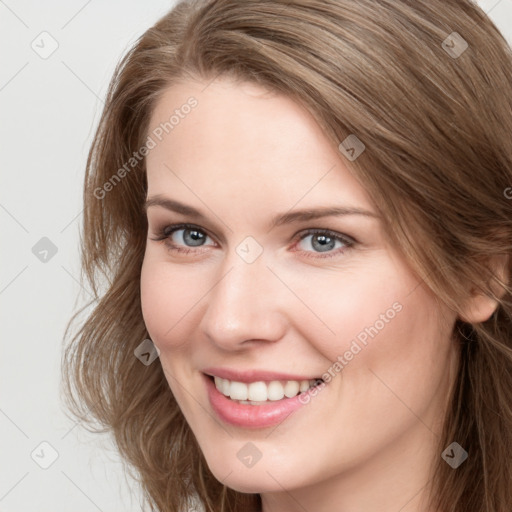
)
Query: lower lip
[{"x": 250, "y": 416}]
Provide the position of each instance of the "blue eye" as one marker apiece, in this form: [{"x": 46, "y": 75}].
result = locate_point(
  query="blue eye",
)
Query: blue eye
[
  {"x": 191, "y": 237},
  {"x": 325, "y": 243}
]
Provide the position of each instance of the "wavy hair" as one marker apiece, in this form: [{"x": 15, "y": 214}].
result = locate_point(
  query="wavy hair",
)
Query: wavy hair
[{"x": 435, "y": 117}]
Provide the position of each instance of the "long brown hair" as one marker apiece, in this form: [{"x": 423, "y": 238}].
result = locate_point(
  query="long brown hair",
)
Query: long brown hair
[{"x": 435, "y": 117}]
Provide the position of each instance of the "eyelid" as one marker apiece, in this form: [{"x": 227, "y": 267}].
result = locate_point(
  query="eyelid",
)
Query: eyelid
[
  {"x": 347, "y": 240},
  {"x": 329, "y": 232},
  {"x": 298, "y": 236},
  {"x": 172, "y": 228}
]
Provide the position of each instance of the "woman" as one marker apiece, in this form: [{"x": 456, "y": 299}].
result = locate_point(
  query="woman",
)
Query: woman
[{"x": 303, "y": 213}]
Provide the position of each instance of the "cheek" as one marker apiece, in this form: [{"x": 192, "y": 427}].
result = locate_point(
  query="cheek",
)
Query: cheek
[
  {"x": 167, "y": 296},
  {"x": 354, "y": 307},
  {"x": 400, "y": 371},
  {"x": 382, "y": 320}
]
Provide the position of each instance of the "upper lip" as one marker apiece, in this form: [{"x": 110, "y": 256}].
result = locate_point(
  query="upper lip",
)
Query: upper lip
[{"x": 253, "y": 375}]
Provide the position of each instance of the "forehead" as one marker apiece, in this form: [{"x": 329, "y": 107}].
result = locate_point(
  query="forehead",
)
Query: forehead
[{"x": 248, "y": 139}]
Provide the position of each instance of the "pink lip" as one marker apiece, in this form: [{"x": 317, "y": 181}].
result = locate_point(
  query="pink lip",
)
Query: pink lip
[
  {"x": 253, "y": 375},
  {"x": 251, "y": 416}
]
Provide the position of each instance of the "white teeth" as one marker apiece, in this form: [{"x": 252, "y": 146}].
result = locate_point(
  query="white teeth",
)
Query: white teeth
[
  {"x": 222, "y": 385},
  {"x": 291, "y": 388},
  {"x": 304, "y": 385},
  {"x": 275, "y": 390},
  {"x": 256, "y": 393},
  {"x": 238, "y": 390}
]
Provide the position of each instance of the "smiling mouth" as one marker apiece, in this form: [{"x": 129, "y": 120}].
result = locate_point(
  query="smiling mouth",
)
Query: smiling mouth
[{"x": 262, "y": 392}]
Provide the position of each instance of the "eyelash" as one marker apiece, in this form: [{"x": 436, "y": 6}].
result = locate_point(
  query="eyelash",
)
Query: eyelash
[{"x": 163, "y": 235}]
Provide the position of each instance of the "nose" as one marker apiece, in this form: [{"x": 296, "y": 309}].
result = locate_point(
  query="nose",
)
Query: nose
[{"x": 246, "y": 304}]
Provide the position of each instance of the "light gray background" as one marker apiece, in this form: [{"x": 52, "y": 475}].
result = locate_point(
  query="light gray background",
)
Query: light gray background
[{"x": 50, "y": 108}]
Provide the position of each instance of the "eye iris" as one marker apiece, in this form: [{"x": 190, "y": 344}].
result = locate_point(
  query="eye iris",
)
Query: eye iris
[
  {"x": 193, "y": 237},
  {"x": 323, "y": 243}
]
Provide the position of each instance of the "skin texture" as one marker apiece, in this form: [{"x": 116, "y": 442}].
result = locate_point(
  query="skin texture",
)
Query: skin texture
[{"x": 366, "y": 441}]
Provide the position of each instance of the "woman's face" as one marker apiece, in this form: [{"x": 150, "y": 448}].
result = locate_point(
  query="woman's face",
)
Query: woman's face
[{"x": 239, "y": 295}]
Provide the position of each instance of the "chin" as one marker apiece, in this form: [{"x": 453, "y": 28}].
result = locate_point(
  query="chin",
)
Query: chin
[
  {"x": 261, "y": 478},
  {"x": 252, "y": 483}
]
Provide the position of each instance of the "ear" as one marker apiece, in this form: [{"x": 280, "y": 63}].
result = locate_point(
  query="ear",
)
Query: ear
[{"x": 479, "y": 307}]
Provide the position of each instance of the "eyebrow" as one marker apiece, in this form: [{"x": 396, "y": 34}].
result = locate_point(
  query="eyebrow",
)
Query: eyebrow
[{"x": 280, "y": 219}]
